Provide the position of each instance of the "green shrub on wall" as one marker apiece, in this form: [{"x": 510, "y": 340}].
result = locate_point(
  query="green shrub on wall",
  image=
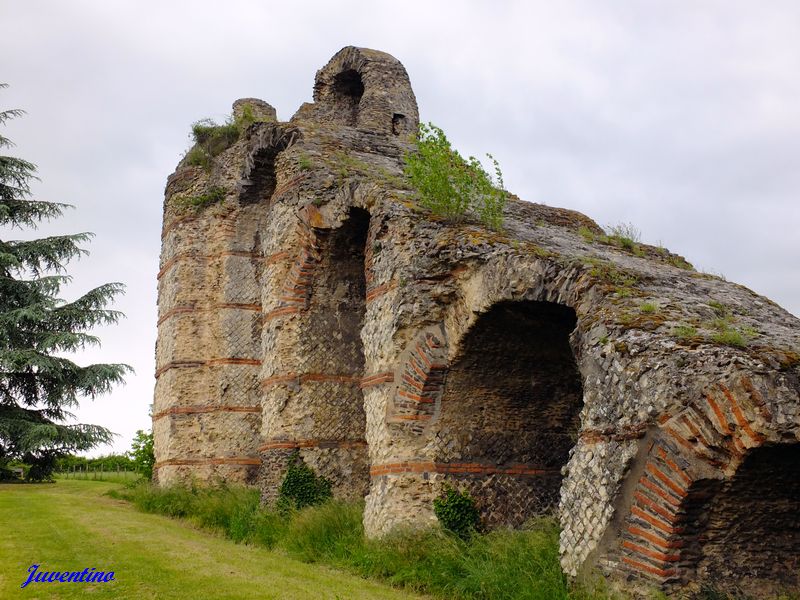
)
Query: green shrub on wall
[
  {"x": 302, "y": 487},
  {"x": 450, "y": 185},
  {"x": 211, "y": 138},
  {"x": 457, "y": 512}
]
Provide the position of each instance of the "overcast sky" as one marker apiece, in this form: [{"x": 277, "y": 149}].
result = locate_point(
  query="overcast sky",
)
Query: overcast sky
[{"x": 682, "y": 118}]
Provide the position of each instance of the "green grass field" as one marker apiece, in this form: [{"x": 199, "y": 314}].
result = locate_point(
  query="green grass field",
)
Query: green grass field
[{"x": 72, "y": 525}]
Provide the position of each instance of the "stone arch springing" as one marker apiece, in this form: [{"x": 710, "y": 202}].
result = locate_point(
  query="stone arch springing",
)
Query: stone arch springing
[
  {"x": 263, "y": 178},
  {"x": 717, "y": 498},
  {"x": 317, "y": 402},
  {"x": 348, "y": 88},
  {"x": 259, "y": 178},
  {"x": 510, "y": 410}
]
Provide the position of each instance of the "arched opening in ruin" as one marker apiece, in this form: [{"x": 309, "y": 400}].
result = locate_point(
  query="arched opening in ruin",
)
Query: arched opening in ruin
[
  {"x": 333, "y": 355},
  {"x": 743, "y": 534},
  {"x": 347, "y": 91},
  {"x": 259, "y": 183},
  {"x": 510, "y": 410},
  {"x": 399, "y": 124}
]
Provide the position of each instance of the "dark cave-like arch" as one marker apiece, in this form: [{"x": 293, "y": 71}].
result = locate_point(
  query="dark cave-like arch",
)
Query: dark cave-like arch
[
  {"x": 348, "y": 88},
  {"x": 510, "y": 410},
  {"x": 743, "y": 533}
]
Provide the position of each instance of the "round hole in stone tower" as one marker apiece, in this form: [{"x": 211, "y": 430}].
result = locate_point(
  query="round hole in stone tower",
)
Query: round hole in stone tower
[
  {"x": 510, "y": 410},
  {"x": 743, "y": 534},
  {"x": 347, "y": 91}
]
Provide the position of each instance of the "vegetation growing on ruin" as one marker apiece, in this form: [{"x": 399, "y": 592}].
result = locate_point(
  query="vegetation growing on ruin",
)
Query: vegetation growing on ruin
[
  {"x": 732, "y": 336},
  {"x": 451, "y": 186},
  {"x": 501, "y": 564},
  {"x": 648, "y": 308},
  {"x": 620, "y": 281},
  {"x": 625, "y": 236},
  {"x": 457, "y": 512},
  {"x": 212, "y": 139},
  {"x": 724, "y": 328},
  {"x": 302, "y": 487},
  {"x": 214, "y": 195},
  {"x": 685, "y": 332}
]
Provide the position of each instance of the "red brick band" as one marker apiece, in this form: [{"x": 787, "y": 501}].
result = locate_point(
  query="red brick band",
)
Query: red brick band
[
  {"x": 184, "y": 364},
  {"x": 282, "y": 311},
  {"x": 411, "y": 417},
  {"x": 174, "y": 223},
  {"x": 621, "y": 435},
  {"x": 196, "y": 410},
  {"x": 182, "y": 310},
  {"x": 654, "y": 554},
  {"x": 305, "y": 377},
  {"x": 234, "y": 460},
  {"x": 377, "y": 379},
  {"x": 646, "y": 568},
  {"x": 405, "y": 467},
  {"x": 654, "y": 538},
  {"x": 379, "y": 290},
  {"x": 204, "y": 257},
  {"x": 276, "y": 257},
  {"x": 313, "y": 443}
]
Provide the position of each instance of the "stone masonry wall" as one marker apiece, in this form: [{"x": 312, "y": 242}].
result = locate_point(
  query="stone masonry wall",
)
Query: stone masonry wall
[{"x": 313, "y": 307}]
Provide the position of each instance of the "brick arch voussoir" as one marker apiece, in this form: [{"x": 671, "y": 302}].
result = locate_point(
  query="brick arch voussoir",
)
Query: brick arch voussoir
[
  {"x": 705, "y": 441},
  {"x": 416, "y": 402},
  {"x": 652, "y": 536},
  {"x": 295, "y": 292},
  {"x": 722, "y": 424}
]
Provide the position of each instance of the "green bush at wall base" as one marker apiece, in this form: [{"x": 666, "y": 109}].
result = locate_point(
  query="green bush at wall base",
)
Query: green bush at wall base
[
  {"x": 302, "y": 487},
  {"x": 457, "y": 512}
]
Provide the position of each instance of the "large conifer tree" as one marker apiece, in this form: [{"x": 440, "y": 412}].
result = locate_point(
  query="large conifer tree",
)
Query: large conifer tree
[{"x": 38, "y": 384}]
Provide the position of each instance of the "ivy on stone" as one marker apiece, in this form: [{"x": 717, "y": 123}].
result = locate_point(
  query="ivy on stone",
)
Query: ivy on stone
[
  {"x": 457, "y": 512},
  {"x": 301, "y": 486}
]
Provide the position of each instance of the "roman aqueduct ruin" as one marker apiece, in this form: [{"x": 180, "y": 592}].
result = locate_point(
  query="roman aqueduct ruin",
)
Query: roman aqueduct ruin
[{"x": 316, "y": 308}]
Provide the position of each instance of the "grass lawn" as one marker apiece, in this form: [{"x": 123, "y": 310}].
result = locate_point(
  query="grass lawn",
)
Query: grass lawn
[{"x": 71, "y": 525}]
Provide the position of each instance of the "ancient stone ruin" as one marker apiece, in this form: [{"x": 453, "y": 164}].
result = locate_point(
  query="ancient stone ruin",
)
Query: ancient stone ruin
[{"x": 308, "y": 304}]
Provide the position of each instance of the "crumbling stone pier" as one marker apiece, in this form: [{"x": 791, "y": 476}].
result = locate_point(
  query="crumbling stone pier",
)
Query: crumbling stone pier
[{"x": 545, "y": 367}]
